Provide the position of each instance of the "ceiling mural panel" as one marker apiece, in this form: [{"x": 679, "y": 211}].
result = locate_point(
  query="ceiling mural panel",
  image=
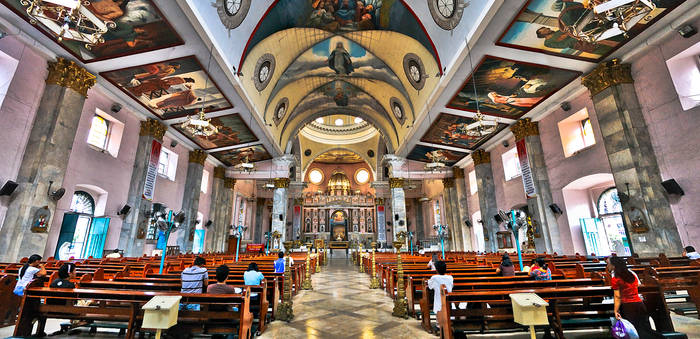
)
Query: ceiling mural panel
[
  {"x": 232, "y": 131},
  {"x": 508, "y": 88},
  {"x": 340, "y": 16},
  {"x": 339, "y": 157},
  {"x": 172, "y": 88},
  {"x": 134, "y": 26},
  {"x": 570, "y": 28},
  {"x": 429, "y": 154},
  {"x": 451, "y": 130},
  {"x": 234, "y": 157}
]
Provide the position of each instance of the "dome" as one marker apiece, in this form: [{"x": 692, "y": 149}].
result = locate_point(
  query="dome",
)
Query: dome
[{"x": 338, "y": 184}]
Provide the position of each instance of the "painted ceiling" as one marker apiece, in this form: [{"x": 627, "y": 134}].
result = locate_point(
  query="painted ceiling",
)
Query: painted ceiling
[
  {"x": 265, "y": 71},
  {"x": 339, "y": 157}
]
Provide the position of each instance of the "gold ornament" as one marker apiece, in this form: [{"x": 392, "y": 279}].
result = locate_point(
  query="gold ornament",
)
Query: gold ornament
[
  {"x": 524, "y": 128},
  {"x": 607, "y": 74},
  {"x": 281, "y": 182},
  {"x": 448, "y": 182},
  {"x": 229, "y": 183},
  {"x": 481, "y": 157},
  {"x": 458, "y": 172},
  {"x": 400, "y": 304},
  {"x": 152, "y": 127},
  {"x": 198, "y": 156},
  {"x": 68, "y": 74},
  {"x": 396, "y": 182},
  {"x": 219, "y": 172}
]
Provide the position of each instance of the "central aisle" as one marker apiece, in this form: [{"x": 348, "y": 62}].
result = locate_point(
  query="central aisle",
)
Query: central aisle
[{"x": 342, "y": 306}]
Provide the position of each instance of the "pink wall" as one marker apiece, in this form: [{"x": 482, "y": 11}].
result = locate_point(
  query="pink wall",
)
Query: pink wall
[
  {"x": 18, "y": 109},
  {"x": 87, "y": 166},
  {"x": 674, "y": 132},
  {"x": 508, "y": 193}
]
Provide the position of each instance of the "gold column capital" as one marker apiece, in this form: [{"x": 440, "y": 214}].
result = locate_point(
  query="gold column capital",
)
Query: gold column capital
[
  {"x": 607, "y": 74},
  {"x": 481, "y": 157},
  {"x": 524, "y": 128},
  {"x": 68, "y": 74},
  {"x": 458, "y": 172},
  {"x": 379, "y": 201},
  {"x": 299, "y": 201},
  {"x": 219, "y": 172},
  {"x": 396, "y": 182},
  {"x": 198, "y": 156},
  {"x": 448, "y": 182},
  {"x": 153, "y": 128},
  {"x": 229, "y": 183},
  {"x": 281, "y": 182}
]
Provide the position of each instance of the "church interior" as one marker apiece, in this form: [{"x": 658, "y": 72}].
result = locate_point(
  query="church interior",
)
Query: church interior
[{"x": 386, "y": 168}]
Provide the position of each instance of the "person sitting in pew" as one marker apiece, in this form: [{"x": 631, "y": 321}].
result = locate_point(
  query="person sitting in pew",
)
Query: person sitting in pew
[
  {"x": 220, "y": 287},
  {"x": 431, "y": 263},
  {"x": 689, "y": 251},
  {"x": 628, "y": 304},
  {"x": 33, "y": 268},
  {"x": 440, "y": 279},
  {"x": 528, "y": 268},
  {"x": 279, "y": 263},
  {"x": 65, "y": 274},
  {"x": 194, "y": 280},
  {"x": 506, "y": 269},
  {"x": 115, "y": 254},
  {"x": 540, "y": 271}
]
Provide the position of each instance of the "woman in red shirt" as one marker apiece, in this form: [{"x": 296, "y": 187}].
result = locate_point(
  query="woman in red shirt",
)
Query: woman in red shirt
[{"x": 628, "y": 304}]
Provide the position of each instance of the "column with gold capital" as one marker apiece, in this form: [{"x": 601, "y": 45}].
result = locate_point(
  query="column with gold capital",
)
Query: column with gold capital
[
  {"x": 132, "y": 236},
  {"x": 190, "y": 199},
  {"x": 487, "y": 197},
  {"x": 217, "y": 195},
  {"x": 31, "y": 212},
  {"x": 226, "y": 214},
  {"x": 463, "y": 209},
  {"x": 452, "y": 213}
]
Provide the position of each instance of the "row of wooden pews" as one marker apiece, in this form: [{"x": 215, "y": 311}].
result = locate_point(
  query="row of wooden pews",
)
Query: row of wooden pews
[
  {"x": 109, "y": 293},
  {"x": 579, "y": 294}
]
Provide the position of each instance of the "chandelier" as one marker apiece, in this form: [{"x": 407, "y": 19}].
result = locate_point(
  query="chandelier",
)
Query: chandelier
[
  {"x": 610, "y": 18},
  {"x": 69, "y": 19},
  {"x": 437, "y": 161},
  {"x": 481, "y": 127},
  {"x": 245, "y": 165},
  {"x": 199, "y": 125}
]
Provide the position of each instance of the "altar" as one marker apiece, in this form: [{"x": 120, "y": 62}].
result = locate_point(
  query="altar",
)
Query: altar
[{"x": 339, "y": 245}]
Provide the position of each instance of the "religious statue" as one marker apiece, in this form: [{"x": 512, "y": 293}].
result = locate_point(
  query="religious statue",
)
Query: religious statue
[{"x": 339, "y": 60}]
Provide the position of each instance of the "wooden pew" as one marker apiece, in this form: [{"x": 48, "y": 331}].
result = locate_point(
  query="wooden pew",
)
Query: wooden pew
[
  {"x": 125, "y": 307},
  {"x": 9, "y": 302}
]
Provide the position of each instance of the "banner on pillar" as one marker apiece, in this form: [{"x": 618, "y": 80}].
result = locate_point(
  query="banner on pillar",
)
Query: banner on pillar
[
  {"x": 152, "y": 171},
  {"x": 297, "y": 222},
  {"x": 525, "y": 170},
  {"x": 381, "y": 224}
]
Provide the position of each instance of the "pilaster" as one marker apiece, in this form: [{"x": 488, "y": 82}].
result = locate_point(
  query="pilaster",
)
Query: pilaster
[
  {"x": 487, "y": 197},
  {"x": 453, "y": 217},
  {"x": 398, "y": 206},
  {"x": 647, "y": 212},
  {"x": 25, "y": 231},
  {"x": 216, "y": 230},
  {"x": 190, "y": 199},
  {"x": 462, "y": 203},
  {"x": 280, "y": 204}
]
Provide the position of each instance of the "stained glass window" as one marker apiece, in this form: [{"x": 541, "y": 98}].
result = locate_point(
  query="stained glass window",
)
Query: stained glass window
[
  {"x": 609, "y": 202},
  {"x": 82, "y": 203}
]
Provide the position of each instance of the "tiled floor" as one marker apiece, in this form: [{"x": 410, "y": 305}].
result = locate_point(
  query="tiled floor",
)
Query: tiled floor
[{"x": 342, "y": 306}]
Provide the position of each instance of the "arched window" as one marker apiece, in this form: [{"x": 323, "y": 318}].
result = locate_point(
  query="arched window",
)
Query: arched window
[
  {"x": 83, "y": 203},
  {"x": 609, "y": 202},
  {"x": 99, "y": 131}
]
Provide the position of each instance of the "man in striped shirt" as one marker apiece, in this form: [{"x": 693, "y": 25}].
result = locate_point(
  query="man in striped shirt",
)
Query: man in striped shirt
[{"x": 195, "y": 278}]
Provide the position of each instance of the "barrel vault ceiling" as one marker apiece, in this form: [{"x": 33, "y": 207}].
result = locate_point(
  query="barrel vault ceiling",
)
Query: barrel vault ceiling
[{"x": 264, "y": 69}]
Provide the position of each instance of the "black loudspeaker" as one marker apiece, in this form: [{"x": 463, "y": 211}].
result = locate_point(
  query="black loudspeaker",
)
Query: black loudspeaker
[
  {"x": 281, "y": 217},
  {"x": 468, "y": 223},
  {"x": 498, "y": 218},
  {"x": 396, "y": 216},
  {"x": 124, "y": 211},
  {"x": 401, "y": 223},
  {"x": 208, "y": 223},
  {"x": 670, "y": 185},
  {"x": 555, "y": 209},
  {"x": 8, "y": 188}
]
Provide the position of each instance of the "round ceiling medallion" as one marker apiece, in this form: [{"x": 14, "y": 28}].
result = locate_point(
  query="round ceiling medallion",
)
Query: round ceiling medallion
[
  {"x": 415, "y": 71},
  {"x": 280, "y": 110},
  {"x": 361, "y": 176},
  {"x": 370, "y": 153},
  {"x": 264, "y": 69},
  {"x": 315, "y": 176},
  {"x": 447, "y": 13},
  {"x": 232, "y": 12},
  {"x": 398, "y": 110}
]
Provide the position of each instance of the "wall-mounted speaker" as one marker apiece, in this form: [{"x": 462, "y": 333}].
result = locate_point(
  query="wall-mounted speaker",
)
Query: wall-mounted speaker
[
  {"x": 555, "y": 209},
  {"x": 498, "y": 218},
  {"x": 209, "y": 222},
  {"x": 670, "y": 185},
  {"x": 396, "y": 216},
  {"x": 8, "y": 188},
  {"x": 401, "y": 223},
  {"x": 468, "y": 223},
  {"x": 124, "y": 211},
  {"x": 281, "y": 217}
]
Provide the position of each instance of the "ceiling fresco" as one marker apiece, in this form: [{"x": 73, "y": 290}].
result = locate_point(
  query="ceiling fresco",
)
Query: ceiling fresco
[
  {"x": 339, "y": 157},
  {"x": 551, "y": 26},
  {"x": 508, "y": 88},
  {"x": 451, "y": 130},
  {"x": 234, "y": 157},
  {"x": 170, "y": 89},
  {"x": 135, "y": 26},
  {"x": 232, "y": 131},
  {"x": 429, "y": 154},
  {"x": 340, "y": 16}
]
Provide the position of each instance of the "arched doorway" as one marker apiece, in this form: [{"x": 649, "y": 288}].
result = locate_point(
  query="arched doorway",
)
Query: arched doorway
[
  {"x": 82, "y": 235},
  {"x": 610, "y": 214}
]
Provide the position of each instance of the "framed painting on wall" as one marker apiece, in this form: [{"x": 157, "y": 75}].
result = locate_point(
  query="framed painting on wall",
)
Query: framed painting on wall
[
  {"x": 172, "y": 88},
  {"x": 570, "y": 28},
  {"x": 134, "y": 26},
  {"x": 509, "y": 88}
]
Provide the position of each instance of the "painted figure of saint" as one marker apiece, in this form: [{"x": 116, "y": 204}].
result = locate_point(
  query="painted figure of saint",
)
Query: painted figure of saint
[
  {"x": 514, "y": 101},
  {"x": 339, "y": 60}
]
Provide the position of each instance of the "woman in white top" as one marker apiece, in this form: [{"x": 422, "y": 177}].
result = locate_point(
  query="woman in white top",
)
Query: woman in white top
[
  {"x": 436, "y": 281},
  {"x": 33, "y": 268}
]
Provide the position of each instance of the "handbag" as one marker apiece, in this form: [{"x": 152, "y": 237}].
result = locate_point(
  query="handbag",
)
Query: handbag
[{"x": 623, "y": 329}]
